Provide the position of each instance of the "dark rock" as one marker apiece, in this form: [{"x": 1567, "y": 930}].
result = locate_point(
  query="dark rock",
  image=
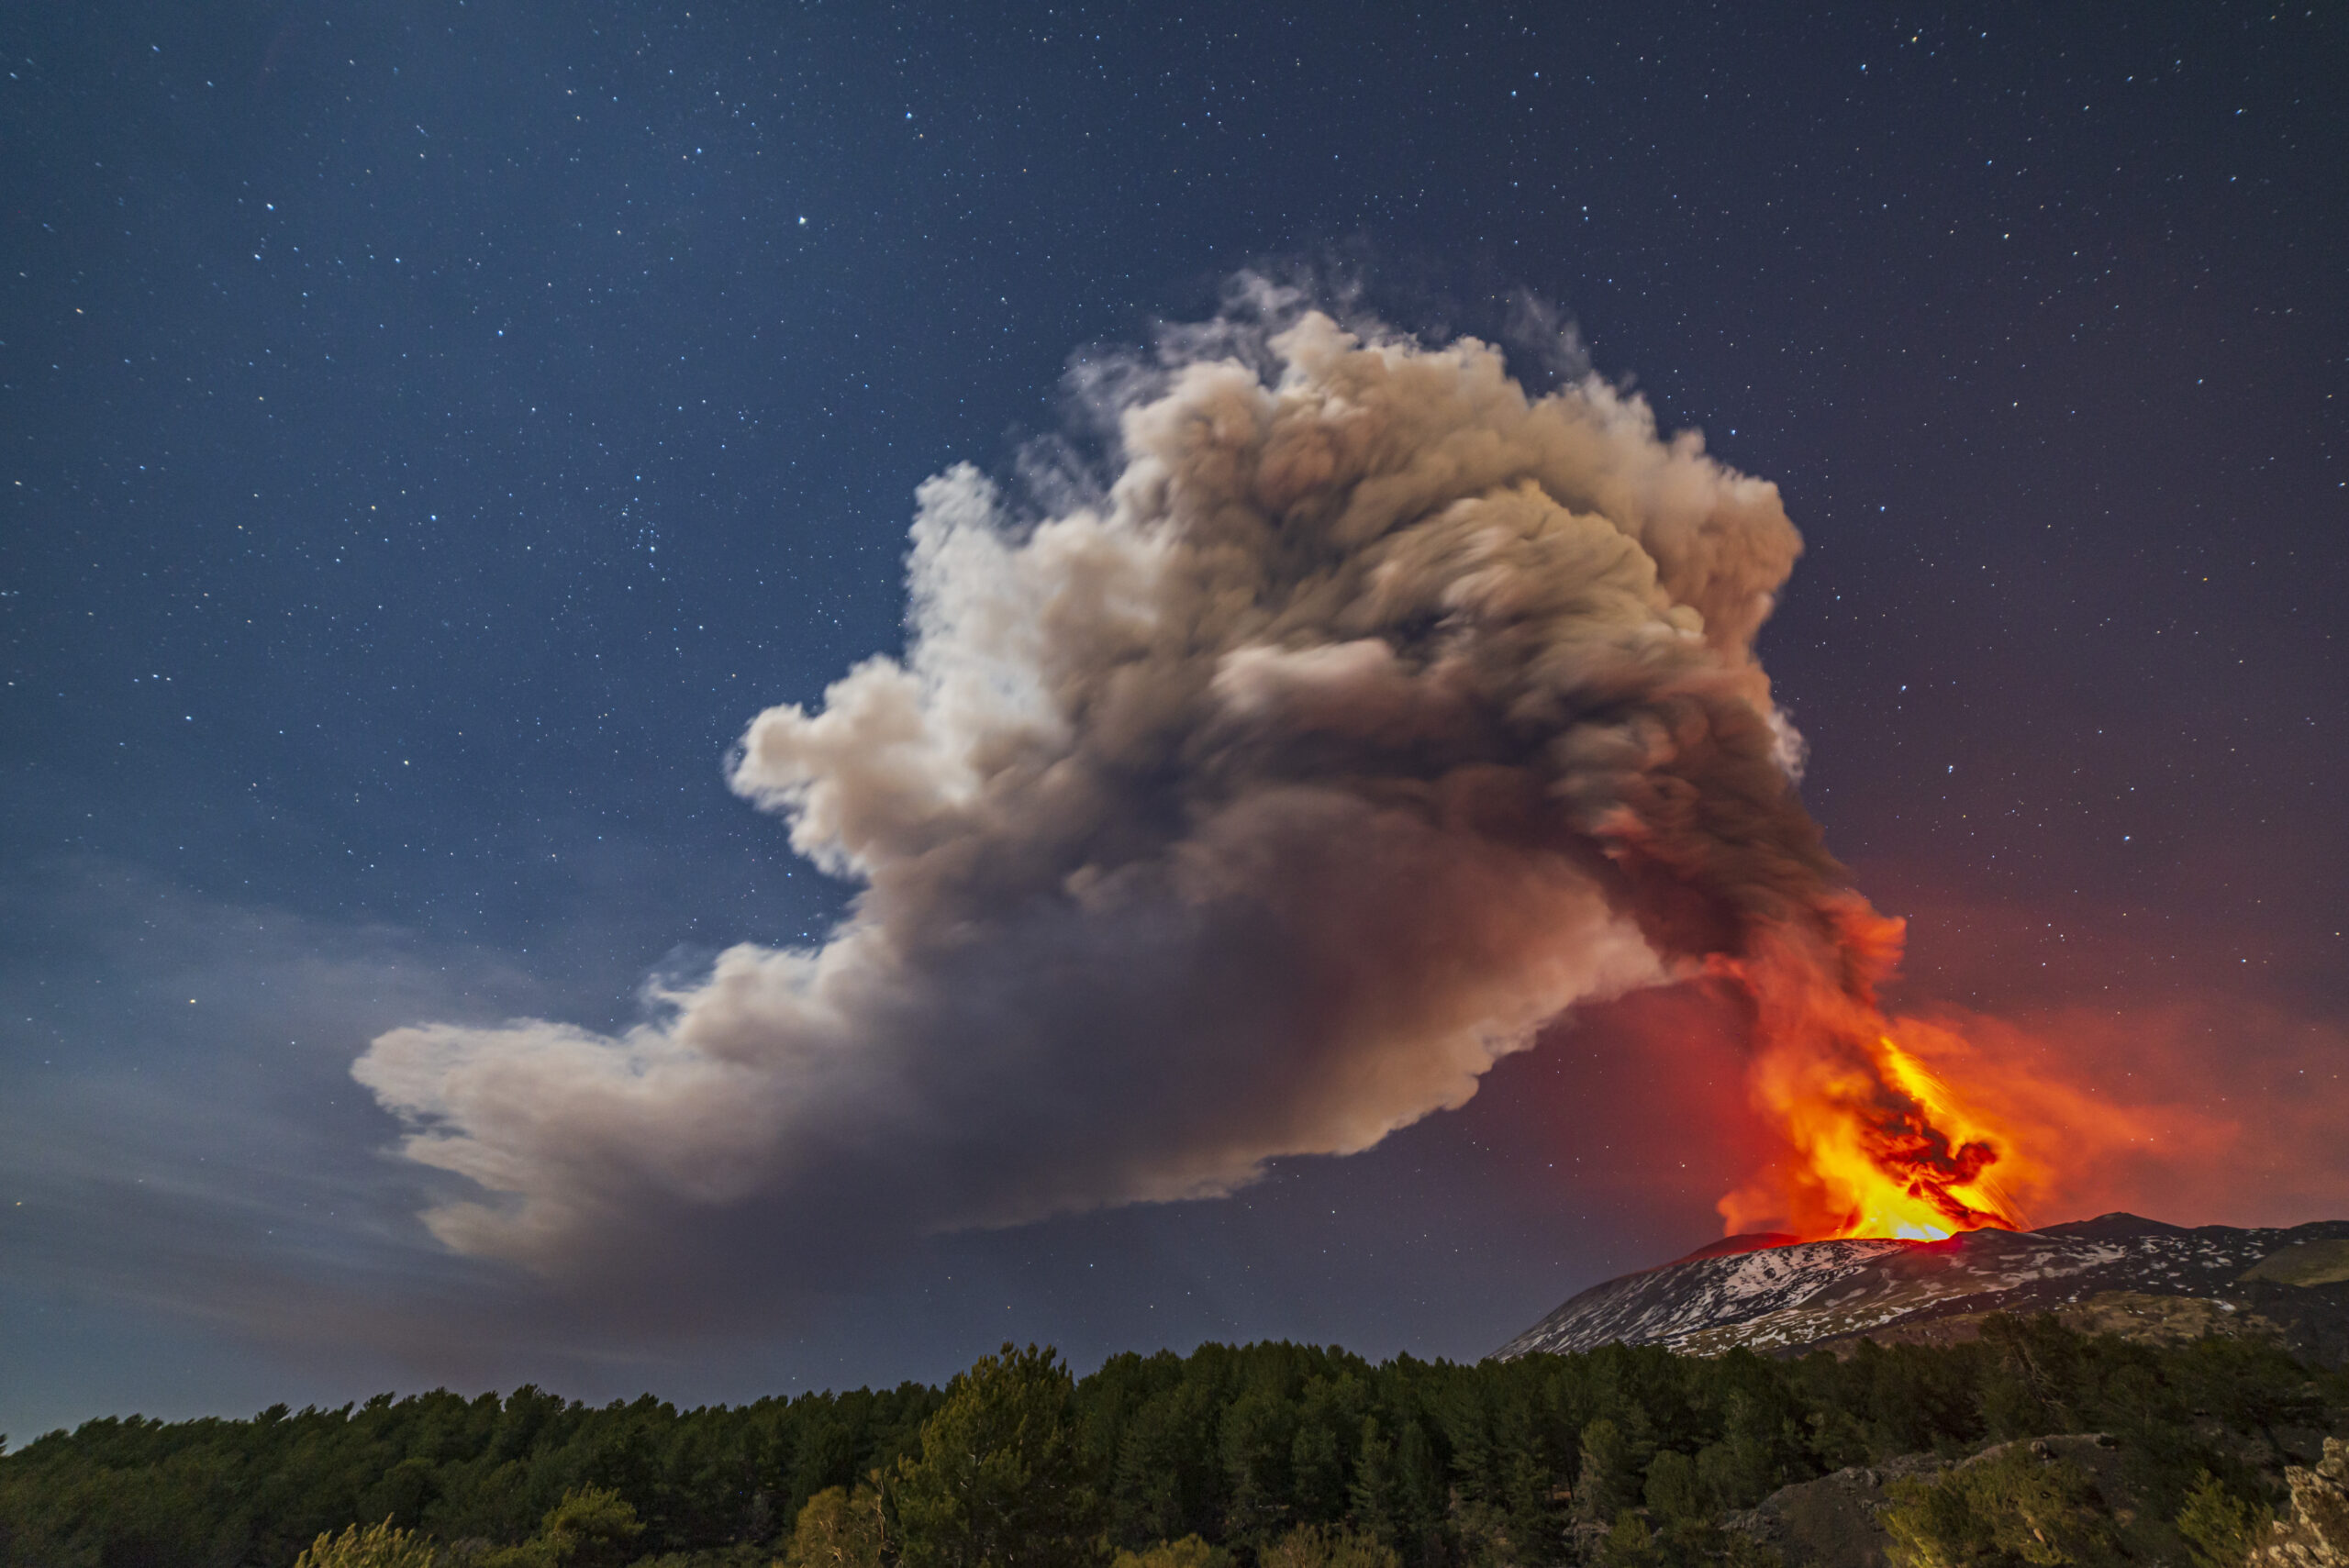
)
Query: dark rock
[
  {"x": 2114, "y": 1227},
  {"x": 1836, "y": 1520},
  {"x": 2311, "y": 1321}
]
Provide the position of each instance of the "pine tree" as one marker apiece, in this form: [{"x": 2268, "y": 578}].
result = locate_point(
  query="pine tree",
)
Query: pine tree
[{"x": 997, "y": 1482}]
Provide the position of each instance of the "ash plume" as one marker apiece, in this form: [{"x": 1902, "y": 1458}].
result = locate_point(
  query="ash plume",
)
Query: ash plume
[{"x": 1250, "y": 801}]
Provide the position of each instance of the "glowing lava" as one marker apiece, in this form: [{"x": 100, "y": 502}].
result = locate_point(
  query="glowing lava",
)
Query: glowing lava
[
  {"x": 1880, "y": 1147},
  {"x": 1875, "y": 1143}
]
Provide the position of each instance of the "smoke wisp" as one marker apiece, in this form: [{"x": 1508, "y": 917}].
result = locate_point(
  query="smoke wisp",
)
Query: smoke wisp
[{"x": 1251, "y": 804}]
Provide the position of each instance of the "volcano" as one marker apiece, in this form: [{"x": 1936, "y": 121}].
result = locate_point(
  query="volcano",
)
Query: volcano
[{"x": 2118, "y": 1273}]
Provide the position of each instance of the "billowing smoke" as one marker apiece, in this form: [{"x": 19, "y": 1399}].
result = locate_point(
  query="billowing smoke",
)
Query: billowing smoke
[{"x": 1372, "y": 713}]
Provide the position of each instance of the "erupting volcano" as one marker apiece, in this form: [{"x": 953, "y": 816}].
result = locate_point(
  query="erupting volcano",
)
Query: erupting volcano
[
  {"x": 1731, "y": 876},
  {"x": 1878, "y": 1144},
  {"x": 1888, "y": 1151},
  {"x": 1246, "y": 793}
]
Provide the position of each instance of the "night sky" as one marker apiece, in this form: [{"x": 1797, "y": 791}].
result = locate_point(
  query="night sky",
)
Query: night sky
[{"x": 433, "y": 431}]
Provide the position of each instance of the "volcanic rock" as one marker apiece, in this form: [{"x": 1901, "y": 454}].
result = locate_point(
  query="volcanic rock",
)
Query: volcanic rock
[
  {"x": 2116, "y": 1273},
  {"x": 2314, "y": 1533},
  {"x": 1837, "y": 1521}
]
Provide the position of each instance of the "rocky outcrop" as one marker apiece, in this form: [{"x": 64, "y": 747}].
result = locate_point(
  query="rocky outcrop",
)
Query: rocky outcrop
[
  {"x": 1837, "y": 1521},
  {"x": 1834, "y": 1521},
  {"x": 2315, "y": 1532}
]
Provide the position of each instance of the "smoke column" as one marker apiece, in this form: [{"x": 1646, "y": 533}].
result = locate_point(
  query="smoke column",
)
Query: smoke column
[{"x": 1365, "y": 716}]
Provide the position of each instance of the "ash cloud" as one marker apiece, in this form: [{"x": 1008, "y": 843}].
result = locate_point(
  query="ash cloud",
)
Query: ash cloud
[{"x": 1249, "y": 799}]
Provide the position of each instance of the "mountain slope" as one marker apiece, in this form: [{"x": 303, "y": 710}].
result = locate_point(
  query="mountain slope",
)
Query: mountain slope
[{"x": 2117, "y": 1272}]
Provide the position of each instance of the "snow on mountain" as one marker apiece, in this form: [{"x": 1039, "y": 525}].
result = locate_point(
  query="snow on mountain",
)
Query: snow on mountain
[{"x": 1782, "y": 1297}]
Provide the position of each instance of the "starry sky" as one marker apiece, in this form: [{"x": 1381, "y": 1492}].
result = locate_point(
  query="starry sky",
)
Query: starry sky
[{"x": 432, "y": 431}]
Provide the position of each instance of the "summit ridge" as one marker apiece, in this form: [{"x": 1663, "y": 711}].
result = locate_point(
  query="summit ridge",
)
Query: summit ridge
[{"x": 2118, "y": 1273}]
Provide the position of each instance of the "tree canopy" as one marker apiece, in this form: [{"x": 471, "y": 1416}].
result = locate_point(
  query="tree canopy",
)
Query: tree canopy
[{"x": 1262, "y": 1455}]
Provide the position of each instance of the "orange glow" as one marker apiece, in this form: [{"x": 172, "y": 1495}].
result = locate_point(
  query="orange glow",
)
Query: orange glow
[
  {"x": 1876, "y": 1144},
  {"x": 1889, "y": 1149},
  {"x": 1867, "y": 1124}
]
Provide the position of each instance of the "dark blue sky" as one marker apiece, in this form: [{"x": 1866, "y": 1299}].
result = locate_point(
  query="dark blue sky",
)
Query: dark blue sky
[{"x": 432, "y": 431}]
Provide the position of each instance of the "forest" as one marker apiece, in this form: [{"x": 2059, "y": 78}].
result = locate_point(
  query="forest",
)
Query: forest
[{"x": 1278, "y": 1455}]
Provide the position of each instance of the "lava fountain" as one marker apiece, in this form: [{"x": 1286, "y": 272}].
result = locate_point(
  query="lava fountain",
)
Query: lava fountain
[{"x": 1878, "y": 1144}]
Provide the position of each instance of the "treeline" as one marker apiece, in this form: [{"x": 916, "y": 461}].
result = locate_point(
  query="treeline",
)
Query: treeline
[{"x": 1263, "y": 1453}]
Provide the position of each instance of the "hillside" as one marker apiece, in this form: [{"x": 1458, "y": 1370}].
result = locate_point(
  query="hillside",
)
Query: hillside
[{"x": 2118, "y": 1273}]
